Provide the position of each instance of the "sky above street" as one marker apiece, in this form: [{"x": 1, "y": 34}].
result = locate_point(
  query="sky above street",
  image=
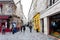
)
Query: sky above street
[{"x": 26, "y": 6}]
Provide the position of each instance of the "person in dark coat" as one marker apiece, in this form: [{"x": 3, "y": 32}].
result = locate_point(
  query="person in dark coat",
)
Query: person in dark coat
[
  {"x": 24, "y": 28},
  {"x": 21, "y": 28},
  {"x": 30, "y": 27},
  {"x": 12, "y": 30},
  {"x": 3, "y": 29}
]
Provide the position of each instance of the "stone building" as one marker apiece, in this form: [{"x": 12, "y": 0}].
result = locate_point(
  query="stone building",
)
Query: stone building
[
  {"x": 10, "y": 14},
  {"x": 7, "y": 9},
  {"x": 49, "y": 16}
]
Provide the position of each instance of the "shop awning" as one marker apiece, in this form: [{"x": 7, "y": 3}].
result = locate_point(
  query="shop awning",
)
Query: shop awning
[{"x": 4, "y": 17}]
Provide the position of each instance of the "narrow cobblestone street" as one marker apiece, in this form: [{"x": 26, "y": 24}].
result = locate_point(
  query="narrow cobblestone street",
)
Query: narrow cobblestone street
[{"x": 26, "y": 36}]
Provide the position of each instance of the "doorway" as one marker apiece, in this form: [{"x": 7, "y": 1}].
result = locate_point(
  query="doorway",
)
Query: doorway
[{"x": 42, "y": 25}]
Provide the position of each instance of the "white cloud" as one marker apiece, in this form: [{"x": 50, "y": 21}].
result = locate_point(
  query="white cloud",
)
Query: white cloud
[{"x": 26, "y": 6}]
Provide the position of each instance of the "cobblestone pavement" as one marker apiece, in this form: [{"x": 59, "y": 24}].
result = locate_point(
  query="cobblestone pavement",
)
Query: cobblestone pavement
[{"x": 25, "y": 36}]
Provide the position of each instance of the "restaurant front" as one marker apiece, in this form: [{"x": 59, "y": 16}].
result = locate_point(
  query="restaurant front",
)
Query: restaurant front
[{"x": 5, "y": 20}]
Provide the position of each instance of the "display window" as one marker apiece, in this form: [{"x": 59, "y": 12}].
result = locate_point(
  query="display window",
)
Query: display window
[{"x": 55, "y": 25}]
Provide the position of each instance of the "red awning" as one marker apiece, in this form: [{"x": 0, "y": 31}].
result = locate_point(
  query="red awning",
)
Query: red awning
[{"x": 4, "y": 17}]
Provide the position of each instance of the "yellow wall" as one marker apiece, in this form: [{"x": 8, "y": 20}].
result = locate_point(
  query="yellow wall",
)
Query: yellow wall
[{"x": 37, "y": 21}]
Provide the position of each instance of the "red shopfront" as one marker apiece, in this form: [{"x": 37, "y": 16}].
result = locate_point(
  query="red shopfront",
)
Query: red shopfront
[{"x": 4, "y": 20}]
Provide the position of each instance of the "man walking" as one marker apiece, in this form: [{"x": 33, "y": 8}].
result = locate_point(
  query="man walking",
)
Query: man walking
[
  {"x": 30, "y": 27},
  {"x": 24, "y": 28}
]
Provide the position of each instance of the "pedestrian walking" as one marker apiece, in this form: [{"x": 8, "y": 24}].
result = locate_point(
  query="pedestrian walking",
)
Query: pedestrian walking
[
  {"x": 30, "y": 27},
  {"x": 12, "y": 30},
  {"x": 21, "y": 25},
  {"x": 3, "y": 29},
  {"x": 21, "y": 28},
  {"x": 24, "y": 28},
  {"x": 14, "y": 27}
]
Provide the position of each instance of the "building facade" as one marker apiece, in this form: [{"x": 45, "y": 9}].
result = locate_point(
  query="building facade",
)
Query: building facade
[
  {"x": 49, "y": 16},
  {"x": 19, "y": 13},
  {"x": 10, "y": 14},
  {"x": 7, "y": 9},
  {"x": 34, "y": 15}
]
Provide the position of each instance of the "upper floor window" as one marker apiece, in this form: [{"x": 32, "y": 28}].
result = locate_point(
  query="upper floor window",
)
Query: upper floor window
[
  {"x": 51, "y": 2},
  {"x": 10, "y": 9}
]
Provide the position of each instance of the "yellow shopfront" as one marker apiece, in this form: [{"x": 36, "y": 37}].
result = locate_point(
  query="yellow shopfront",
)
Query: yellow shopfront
[{"x": 36, "y": 19}]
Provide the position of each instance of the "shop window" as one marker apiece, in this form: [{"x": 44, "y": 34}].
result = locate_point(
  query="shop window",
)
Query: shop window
[{"x": 55, "y": 25}]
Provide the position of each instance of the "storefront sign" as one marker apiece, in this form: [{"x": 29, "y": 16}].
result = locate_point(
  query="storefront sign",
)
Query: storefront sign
[{"x": 4, "y": 17}]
